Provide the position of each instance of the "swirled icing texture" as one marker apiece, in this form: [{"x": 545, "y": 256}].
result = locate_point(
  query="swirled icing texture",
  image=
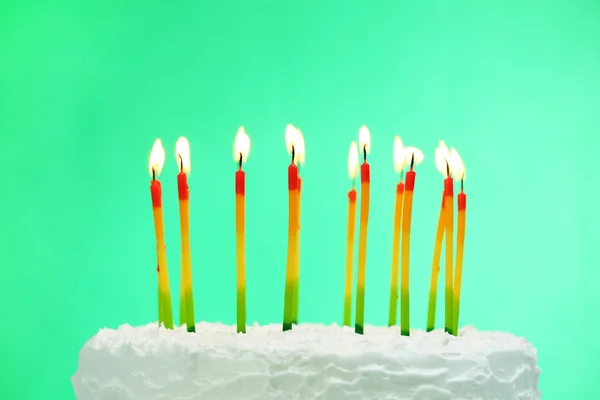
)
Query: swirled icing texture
[{"x": 310, "y": 362}]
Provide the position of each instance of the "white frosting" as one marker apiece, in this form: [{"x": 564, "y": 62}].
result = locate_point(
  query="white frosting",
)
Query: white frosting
[{"x": 309, "y": 362}]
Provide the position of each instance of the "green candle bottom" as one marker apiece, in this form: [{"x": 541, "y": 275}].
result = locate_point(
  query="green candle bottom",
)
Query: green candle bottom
[
  {"x": 404, "y": 312},
  {"x": 360, "y": 310},
  {"x": 449, "y": 311},
  {"x": 189, "y": 311},
  {"x": 431, "y": 311},
  {"x": 241, "y": 310},
  {"x": 165, "y": 310},
  {"x": 347, "y": 309},
  {"x": 288, "y": 305}
]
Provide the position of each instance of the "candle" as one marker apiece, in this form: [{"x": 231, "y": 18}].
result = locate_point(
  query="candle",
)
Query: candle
[
  {"x": 449, "y": 222},
  {"x": 182, "y": 152},
  {"x": 441, "y": 157},
  {"x": 399, "y": 161},
  {"x": 364, "y": 140},
  {"x": 459, "y": 174},
  {"x": 241, "y": 149},
  {"x": 352, "y": 171},
  {"x": 300, "y": 156},
  {"x": 157, "y": 159},
  {"x": 291, "y": 136},
  {"x": 414, "y": 156}
]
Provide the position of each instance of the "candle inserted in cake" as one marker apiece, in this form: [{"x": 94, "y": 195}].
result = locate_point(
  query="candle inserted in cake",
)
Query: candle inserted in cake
[
  {"x": 459, "y": 175},
  {"x": 186, "y": 308},
  {"x": 291, "y": 138},
  {"x": 352, "y": 172},
  {"x": 364, "y": 143},
  {"x": 241, "y": 149},
  {"x": 414, "y": 156},
  {"x": 449, "y": 222},
  {"x": 441, "y": 163},
  {"x": 399, "y": 161},
  {"x": 300, "y": 157},
  {"x": 157, "y": 160}
]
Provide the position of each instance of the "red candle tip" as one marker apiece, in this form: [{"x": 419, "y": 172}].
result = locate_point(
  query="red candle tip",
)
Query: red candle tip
[
  {"x": 156, "y": 192},
  {"x": 240, "y": 182},
  {"x": 410, "y": 180},
  {"x": 400, "y": 188},
  {"x": 292, "y": 177},
  {"x": 352, "y": 195},
  {"x": 365, "y": 173},
  {"x": 448, "y": 187},
  {"x": 182, "y": 186},
  {"x": 462, "y": 201}
]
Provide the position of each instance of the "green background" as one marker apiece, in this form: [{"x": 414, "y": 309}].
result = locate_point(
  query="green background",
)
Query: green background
[{"x": 86, "y": 87}]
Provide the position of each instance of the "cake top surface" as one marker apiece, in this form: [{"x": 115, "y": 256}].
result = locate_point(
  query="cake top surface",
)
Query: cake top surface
[{"x": 313, "y": 338}]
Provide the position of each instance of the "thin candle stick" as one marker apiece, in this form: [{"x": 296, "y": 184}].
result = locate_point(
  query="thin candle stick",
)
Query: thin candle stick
[
  {"x": 406, "y": 222},
  {"x": 240, "y": 228},
  {"x": 395, "y": 253},
  {"x": 297, "y": 263},
  {"x": 165, "y": 312},
  {"x": 292, "y": 244},
  {"x": 349, "y": 254},
  {"x": 449, "y": 218},
  {"x": 187, "y": 295},
  {"x": 460, "y": 246},
  {"x": 435, "y": 268},
  {"x": 365, "y": 193}
]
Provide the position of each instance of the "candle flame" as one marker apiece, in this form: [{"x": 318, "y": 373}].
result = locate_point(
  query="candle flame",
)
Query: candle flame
[
  {"x": 457, "y": 166},
  {"x": 182, "y": 153},
  {"x": 241, "y": 145},
  {"x": 291, "y": 133},
  {"x": 442, "y": 155},
  {"x": 418, "y": 154},
  {"x": 157, "y": 158},
  {"x": 300, "y": 148},
  {"x": 353, "y": 160},
  {"x": 364, "y": 139},
  {"x": 399, "y": 160}
]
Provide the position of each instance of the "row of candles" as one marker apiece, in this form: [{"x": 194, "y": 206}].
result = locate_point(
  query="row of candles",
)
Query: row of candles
[{"x": 447, "y": 161}]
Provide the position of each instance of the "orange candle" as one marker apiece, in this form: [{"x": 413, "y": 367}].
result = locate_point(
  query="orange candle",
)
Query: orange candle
[
  {"x": 459, "y": 174},
  {"x": 300, "y": 156},
  {"x": 241, "y": 150},
  {"x": 364, "y": 139},
  {"x": 415, "y": 156},
  {"x": 449, "y": 222},
  {"x": 290, "y": 278},
  {"x": 399, "y": 162},
  {"x": 352, "y": 171},
  {"x": 157, "y": 159},
  {"x": 186, "y": 310}
]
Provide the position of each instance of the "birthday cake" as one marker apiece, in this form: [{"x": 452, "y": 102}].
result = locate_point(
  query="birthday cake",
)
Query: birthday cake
[{"x": 309, "y": 362}]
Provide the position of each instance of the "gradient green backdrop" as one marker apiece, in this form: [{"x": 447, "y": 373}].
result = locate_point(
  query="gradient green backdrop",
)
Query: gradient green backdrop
[{"x": 86, "y": 87}]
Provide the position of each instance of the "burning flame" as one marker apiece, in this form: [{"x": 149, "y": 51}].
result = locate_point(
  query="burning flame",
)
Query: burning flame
[
  {"x": 418, "y": 154},
  {"x": 353, "y": 160},
  {"x": 457, "y": 166},
  {"x": 157, "y": 158},
  {"x": 290, "y": 137},
  {"x": 299, "y": 146},
  {"x": 399, "y": 160},
  {"x": 364, "y": 139},
  {"x": 241, "y": 145},
  {"x": 182, "y": 153},
  {"x": 442, "y": 155}
]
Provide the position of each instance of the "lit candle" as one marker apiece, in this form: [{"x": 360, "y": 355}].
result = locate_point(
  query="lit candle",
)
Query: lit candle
[
  {"x": 414, "y": 156},
  {"x": 399, "y": 161},
  {"x": 459, "y": 174},
  {"x": 291, "y": 135},
  {"x": 157, "y": 160},
  {"x": 241, "y": 149},
  {"x": 352, "y": 171},
  {"x": 364, "y": 140},
  {"x": 186, "y": 310},
  {"x": 441, "y": 157},
  {"x": 449, "y": 222},
  {"x": 300, "y": 156}
]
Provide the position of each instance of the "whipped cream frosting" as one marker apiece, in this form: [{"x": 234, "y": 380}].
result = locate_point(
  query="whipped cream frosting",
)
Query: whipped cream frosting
[{"x": 310, "y": 362}]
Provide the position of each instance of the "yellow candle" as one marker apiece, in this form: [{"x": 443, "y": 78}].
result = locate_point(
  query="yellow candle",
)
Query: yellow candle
[
  {"x": 290, "y": 275},
  {"x": 416, "y": 156},
  {"x": 352, "y": 171},
  {"x": 449, "y": 219},
  {"x": 399, "y": 167},
  {"x": 459, "y": 173},
  {"x": 241, "y": 150},
  {"x": 365, "y": 193},
  {"x": 182, "y": 152},
  {"x": 435, "y": 268},
  {"x": 157, "y": 158},
  {"x": 300, "y": 156}
]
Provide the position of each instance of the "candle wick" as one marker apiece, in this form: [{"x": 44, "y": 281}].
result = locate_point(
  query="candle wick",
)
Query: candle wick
[
  {"x": 153, "y": 174},
  {"x": 447, "y": 169},
  {"x": 180, "y": 163},
  {"x": 241, "y": 160},
  {"x": 412, "y": 161},
  {"x": 462, "y": 181},
  {"x": 293, "y": 153},
  {"x": 365, "y": 153}
]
